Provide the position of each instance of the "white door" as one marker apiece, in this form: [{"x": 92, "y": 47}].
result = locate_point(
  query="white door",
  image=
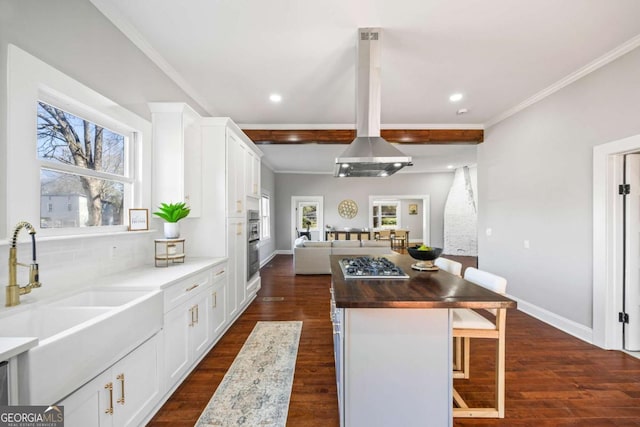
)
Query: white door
[
  {"x": 307, "y": 208},
  {"x": 631, "y": 289}
]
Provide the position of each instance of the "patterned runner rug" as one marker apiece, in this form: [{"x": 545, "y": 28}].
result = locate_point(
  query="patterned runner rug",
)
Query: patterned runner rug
[{"x": 256, "y": 389}]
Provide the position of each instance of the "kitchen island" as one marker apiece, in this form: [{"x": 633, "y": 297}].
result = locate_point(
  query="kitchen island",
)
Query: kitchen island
[{"x": 392, "y": 343}]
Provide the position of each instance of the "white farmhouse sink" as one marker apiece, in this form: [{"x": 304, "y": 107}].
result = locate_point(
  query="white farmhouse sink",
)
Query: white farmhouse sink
[
  {"x": 100, "y": 298},
  {"x": 45, "y": 322},
  {"x": 79, "y": 337}
]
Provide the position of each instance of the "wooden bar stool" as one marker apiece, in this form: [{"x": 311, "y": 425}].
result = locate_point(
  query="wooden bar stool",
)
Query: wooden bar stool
[{"x": 468, "y": 324}]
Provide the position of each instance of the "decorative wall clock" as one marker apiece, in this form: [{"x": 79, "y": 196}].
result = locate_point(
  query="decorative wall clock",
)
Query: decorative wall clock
[{"x": 348, "y": 209}]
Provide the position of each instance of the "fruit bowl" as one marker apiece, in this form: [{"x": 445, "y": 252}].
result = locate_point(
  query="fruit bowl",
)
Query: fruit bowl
[{"x": 425, "y": 257}]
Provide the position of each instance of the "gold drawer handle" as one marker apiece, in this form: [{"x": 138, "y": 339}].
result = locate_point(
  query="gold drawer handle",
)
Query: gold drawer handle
[
  {"x": 220, "y": 272},
  {"x": 121, "y": 379},
  {"x": 191, "y": 288},
  {"x": 109, "y": 410},
  {"x": 215, "y": 299}
]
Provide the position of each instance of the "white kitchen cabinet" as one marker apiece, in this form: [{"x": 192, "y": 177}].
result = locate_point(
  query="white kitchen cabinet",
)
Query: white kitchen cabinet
[
  {"x": 177, "y": 155},
  {"x": 187, "y": 325},
  {"x": 218, "y": 303},
  {"x": 252, "y": 174},
  {"x": 236, "y": 175},
  {"x": 121, "y": 396},
  {"x": 237, "y": 271}
]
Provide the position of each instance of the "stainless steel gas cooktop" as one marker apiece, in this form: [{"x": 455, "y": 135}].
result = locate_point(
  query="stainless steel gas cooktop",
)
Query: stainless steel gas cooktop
[{"x": 370, "y": 268}]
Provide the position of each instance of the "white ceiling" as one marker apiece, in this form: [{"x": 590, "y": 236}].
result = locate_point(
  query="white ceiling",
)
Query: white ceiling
[{"x": 230, "y": 55}]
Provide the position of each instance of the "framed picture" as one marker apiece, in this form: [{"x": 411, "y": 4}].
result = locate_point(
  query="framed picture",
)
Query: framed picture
[
  {"x": 138, "y": 219},
  {"x": 413, "y": 209}
]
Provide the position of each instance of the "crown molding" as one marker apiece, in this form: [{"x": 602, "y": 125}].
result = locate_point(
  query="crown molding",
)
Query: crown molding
[
  {"x": 114, "y": 15},
  {"x": 605, "y": 59}
]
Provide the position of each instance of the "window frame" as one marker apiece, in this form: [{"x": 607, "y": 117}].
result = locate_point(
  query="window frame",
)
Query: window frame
[
  {"x": 30, "y": 80},
  {"x": 126, "y": 179},
  {"x": 265, "y": 217},
  {"x": 379, "y": 216},
  {"x": 300, "y": 215}
]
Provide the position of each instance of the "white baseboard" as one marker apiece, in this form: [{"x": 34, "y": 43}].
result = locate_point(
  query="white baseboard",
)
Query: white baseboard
[
  {"x": 569, "y": 326},
  {"x": 267, "y": 259},
  {"x": 284, "y": 252}
]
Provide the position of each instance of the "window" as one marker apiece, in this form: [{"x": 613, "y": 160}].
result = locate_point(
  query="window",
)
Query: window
[
  {"x": 84, "y": 165},
  {"x": 386, "y": 214},
  {"x": 307, "y": 216},
  {"x": 265, "y": 217}
]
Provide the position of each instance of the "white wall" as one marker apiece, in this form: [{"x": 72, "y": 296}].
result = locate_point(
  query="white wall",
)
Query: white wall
[
  {"x": 413, "y": 223},
  {"x": 334, "y": 190},
  {"x": 267, "y": 181},
  {"x": 73, "y": 37},
  {"x": 535, "y": 183}
]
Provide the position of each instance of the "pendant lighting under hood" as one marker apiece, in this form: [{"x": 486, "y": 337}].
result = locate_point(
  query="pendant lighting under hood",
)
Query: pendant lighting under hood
[{"x": 369, "y": 155}]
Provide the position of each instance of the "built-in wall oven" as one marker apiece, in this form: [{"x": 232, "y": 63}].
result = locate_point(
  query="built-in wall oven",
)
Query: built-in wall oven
[{"x": 253, "y": 237}]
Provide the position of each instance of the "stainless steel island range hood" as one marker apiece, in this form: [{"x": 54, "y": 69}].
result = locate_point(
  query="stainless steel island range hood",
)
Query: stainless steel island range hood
[{"x": 369, "y": 155}]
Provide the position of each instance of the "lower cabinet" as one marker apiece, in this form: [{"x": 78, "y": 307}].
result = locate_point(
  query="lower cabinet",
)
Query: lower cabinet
[
  {"x": 186, "y": 334},
  {"x": 121, "y": 396},
  {"x": 195, "y": 317},
  {"x": 218, "y": 303}
]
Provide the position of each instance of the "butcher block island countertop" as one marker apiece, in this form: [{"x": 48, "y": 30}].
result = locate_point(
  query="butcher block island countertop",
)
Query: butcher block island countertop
[
  {"x": 423, "y": 289},
  {"x": 393, "y": 344}
]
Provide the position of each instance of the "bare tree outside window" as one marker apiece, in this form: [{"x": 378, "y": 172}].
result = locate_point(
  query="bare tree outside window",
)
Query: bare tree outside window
[{"x": 67, "y": 140}]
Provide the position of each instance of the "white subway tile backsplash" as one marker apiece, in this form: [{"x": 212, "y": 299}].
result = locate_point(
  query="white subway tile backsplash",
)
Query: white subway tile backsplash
[{"x": 77, "y": 262}]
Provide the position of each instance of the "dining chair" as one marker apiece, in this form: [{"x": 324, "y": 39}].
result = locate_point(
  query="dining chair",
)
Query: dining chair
[
  {"x": 384, "y": 235},
  {"x": 467, "y": 324},
  {"x": 450, "y": 266},
  {"x": 400, "y": 239},
  {"x": 455, "y": 268}
]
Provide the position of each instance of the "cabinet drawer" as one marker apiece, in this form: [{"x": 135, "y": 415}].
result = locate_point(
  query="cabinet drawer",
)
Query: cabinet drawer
[
  {"x": 219, "y": 272},
  {"x": 183, "y": 290}
]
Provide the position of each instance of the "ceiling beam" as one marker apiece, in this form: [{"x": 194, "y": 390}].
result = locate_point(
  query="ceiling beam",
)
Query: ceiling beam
[{"x": 345, "y": 136}]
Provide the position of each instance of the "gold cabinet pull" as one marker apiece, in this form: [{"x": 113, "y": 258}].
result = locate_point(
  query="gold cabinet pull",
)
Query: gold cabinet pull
[
  {"x": 220, "y": 272},
  {"x": 215, "y": 299},
  {"x": 121, "y": 379},
  {"x": 197, "y": 314},
  {"x": 190, "y": 288},
  {"x": 109, "y": 410},
  {"x": 191, "y": 313}
]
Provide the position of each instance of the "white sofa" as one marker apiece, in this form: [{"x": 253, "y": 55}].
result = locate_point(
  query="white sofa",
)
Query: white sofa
[{"x": 312, "y": 257}]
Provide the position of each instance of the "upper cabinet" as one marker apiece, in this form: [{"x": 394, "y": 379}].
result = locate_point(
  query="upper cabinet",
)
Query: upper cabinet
[
  {"x": 252, "y": 173},
  {"x": 177, "y": 155},
  {"x": 241, "y": 163}
]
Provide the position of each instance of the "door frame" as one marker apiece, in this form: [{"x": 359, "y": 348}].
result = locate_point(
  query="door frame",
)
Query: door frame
[
  {"x": 293, "y": 217},
  {"x": 426, "y": 211},
  {"x": 608, "y": 240}
]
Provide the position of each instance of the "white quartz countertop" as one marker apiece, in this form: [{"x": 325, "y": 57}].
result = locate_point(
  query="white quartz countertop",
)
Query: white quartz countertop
[
  {"x": 147, "y": 277},
  {"x": 11, "y": 346}
]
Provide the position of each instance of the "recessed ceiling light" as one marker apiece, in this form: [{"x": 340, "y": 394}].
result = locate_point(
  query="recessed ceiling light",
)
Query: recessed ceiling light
[
  {"x": 449, "y": 166},
  {"x": 455, "y": 97},
  {"x": 462, "y": 111},
  {"x": 274, "y": 97},
  {"x": 397, "y": 165},
  {"x": 345, "y": 165},
  {"x": 384, "y": 174}
]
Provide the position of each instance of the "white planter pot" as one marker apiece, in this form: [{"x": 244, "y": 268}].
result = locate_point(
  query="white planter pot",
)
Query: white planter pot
[{"x": 171, "y": 230}]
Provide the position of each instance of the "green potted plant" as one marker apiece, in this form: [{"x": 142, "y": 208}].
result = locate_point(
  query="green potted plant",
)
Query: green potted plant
[{"x": 172, "y": 213}]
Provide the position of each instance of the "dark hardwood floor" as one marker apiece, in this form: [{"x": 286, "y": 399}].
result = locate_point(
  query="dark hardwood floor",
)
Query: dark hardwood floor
[{"x": 552, "y": 379}]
